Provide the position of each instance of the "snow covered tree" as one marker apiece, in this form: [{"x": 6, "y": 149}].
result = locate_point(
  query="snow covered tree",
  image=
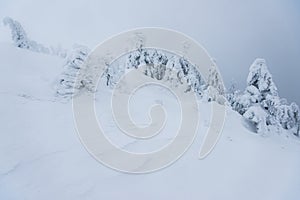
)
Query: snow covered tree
[
  {"x": 260, "y": 102},
  {"x": 232, "y": 93},
  {"x": 135, "y": 59},
  {"x": 160, "y": 65},
  {"x": 278, "y": 112},
  {"x": 260, "y": 88},
  {"x": 288, "y": 117},
  {"x": 214, "y": 80},
  {"x": 295, "y": 112},
  {"x": 187, "y": 73},
  {"x": 21, "y": 40},
  {"x": 260, "y": 77},
  {"x": 215, "y": 90},
  {"x": 19, "y": 35},
  {"x": 156, "y": 64},
  {"x": 66, "y": 84},
  {"x": 195, "y": 81},
  {"x": 155, "y": 60}
]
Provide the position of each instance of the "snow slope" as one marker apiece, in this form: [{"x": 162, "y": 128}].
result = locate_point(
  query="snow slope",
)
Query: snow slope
[{"x": 41, "y": 156}]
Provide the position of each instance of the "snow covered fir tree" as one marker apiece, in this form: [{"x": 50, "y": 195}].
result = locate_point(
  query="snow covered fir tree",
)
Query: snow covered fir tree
[
  {"x": 66, "y": 85},
  {"x": 73, "y": 58},
  {"x": 260, "y": 103},
  {"x": 159, "y": 65},
  {"x": 21, "y": 40}
]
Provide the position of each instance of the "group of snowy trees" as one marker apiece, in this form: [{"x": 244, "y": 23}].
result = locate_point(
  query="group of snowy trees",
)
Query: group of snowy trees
[
  {"x": 174, "y": 69},
  {"x": 261, "y": 104},
  {"x": 74, "y": 58}
]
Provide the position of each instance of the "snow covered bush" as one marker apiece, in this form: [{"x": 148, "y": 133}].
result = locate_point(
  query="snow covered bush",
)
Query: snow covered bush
[{"x": 257, "y": 116}]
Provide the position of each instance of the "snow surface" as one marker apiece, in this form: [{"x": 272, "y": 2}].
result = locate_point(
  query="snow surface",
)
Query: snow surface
[{"x": 42, "y": 157}]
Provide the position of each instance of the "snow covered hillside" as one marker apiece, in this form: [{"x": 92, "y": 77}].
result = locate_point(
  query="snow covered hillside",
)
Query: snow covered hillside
[{"x": 42, "y": 157}]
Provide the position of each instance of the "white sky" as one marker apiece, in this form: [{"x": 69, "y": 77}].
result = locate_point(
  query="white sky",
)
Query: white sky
[{"x": 233, "y": 32}]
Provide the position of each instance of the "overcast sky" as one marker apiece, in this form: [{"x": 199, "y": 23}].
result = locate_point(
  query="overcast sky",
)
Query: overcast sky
[{"x": 233, "y": 32}]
